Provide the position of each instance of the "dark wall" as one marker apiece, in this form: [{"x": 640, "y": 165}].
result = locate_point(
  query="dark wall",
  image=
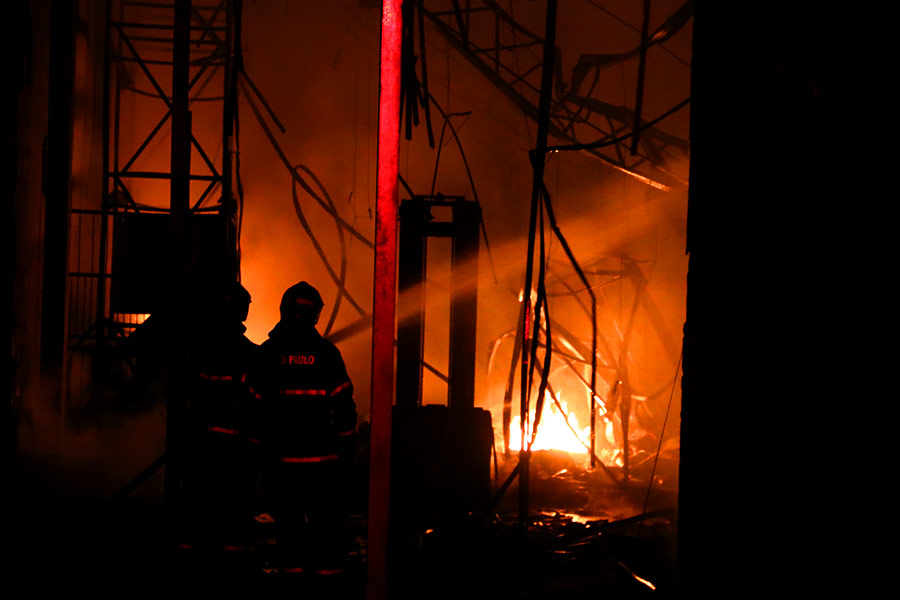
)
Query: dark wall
[
  {"x": 26, "y": 42},
  {"x": 773, "y": 234}
]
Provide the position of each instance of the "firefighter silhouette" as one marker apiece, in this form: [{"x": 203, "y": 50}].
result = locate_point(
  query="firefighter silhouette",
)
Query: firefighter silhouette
[
  {"x": 217, "y": 478},
  {"x": 307, "y": 424}
]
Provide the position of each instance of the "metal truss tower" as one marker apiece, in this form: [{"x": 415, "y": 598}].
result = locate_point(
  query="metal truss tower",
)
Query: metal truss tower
[{"x": 168, "y": 207}]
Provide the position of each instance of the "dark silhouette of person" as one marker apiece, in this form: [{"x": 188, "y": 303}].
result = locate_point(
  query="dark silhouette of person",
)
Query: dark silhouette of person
[
  {"x": 307, "y": 425},
  {"x": 217, "y": 476},
  {"x": 151, "y": 354}
]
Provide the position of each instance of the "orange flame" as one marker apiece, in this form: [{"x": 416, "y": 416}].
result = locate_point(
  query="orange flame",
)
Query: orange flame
[{"x": 553, "y": 432}]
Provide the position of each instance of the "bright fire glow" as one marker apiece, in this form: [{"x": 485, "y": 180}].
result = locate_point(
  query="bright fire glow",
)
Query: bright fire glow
[{"x": 553, "y": 432}]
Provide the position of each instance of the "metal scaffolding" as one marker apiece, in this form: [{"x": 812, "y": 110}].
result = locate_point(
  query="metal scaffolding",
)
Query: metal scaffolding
[{"x": 167, "y": 196}]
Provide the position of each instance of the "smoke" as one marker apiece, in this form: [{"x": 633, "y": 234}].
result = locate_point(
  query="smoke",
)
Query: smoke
[
  {"x": 317, "y": 65},
  {"x": 62, "y": 455}
]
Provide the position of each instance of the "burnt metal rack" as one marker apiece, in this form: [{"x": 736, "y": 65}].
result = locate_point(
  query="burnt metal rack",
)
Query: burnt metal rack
[{"x": 508, "y": 54}]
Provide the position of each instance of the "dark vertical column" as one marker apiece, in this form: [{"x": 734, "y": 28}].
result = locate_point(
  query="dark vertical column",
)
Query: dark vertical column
[
  {"x": 179, "y": 206},
  {"x": 642, "y": 69},
  {"x": 104, "y": 202},
  {"x": 772, "y": 221},
  {"x": 411, "y": 306},
  {"x": 537, "y": 160},
  {"x": 464, "y": 303},
  {"x": 181, "y": 124},
  {"x": 57, "y": 196},
  {"x": 233, "y": 66},
  {"x": 17, "y": 28}
]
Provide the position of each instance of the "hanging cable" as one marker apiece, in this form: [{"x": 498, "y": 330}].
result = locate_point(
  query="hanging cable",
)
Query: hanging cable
[
  {"x": 511, "y": 378},
  {"x": 660, "y": 35},
  {"x": 642, "y": 69},
  {"x": 541, "y": 308},
  {"x": 662, "y": 433},
  {"x": 622, "y": 138},
  {"x": 323, "y": 199},
  {"x": 462, "y": 155},
  {"x": 338, "y": 279},
  {"x": 320, "y": 194},
  {"x": 440, "y": 146},
  {"x": 290, "y": 167},
  {"x": 414, "y": 92},
  {"x": 245, "y": 78},
  {"x": 537, "y": 163},
  {"x": 565, "y": 244},
  {"x": 342, "y": 278},
  {"x": 425, "y": 93},
  {"x": 417, "y": 93}
]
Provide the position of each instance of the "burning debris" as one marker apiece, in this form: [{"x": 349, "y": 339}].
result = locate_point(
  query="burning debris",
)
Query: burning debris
[
  {"x": 595, "y": 450},
  {"x": 561, "y": 482},
  {"x": 557, "y": 556}
]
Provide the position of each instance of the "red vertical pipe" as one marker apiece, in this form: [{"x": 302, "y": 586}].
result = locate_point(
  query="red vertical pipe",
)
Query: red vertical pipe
[{"x": 384, "y": 299}]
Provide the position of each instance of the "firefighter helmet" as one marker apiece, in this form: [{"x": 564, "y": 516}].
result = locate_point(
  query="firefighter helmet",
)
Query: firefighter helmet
[{"x": 301, "y": 302}]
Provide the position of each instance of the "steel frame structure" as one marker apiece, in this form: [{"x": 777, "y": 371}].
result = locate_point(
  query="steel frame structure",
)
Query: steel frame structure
[
  {"x": 160, "y": 59},
  {"x": 491, "y": 39},
  {"x": 418, "y": 223}
]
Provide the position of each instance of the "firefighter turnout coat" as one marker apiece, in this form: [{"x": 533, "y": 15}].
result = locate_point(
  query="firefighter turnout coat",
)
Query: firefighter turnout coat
[{"x": 305, "y": 397}]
